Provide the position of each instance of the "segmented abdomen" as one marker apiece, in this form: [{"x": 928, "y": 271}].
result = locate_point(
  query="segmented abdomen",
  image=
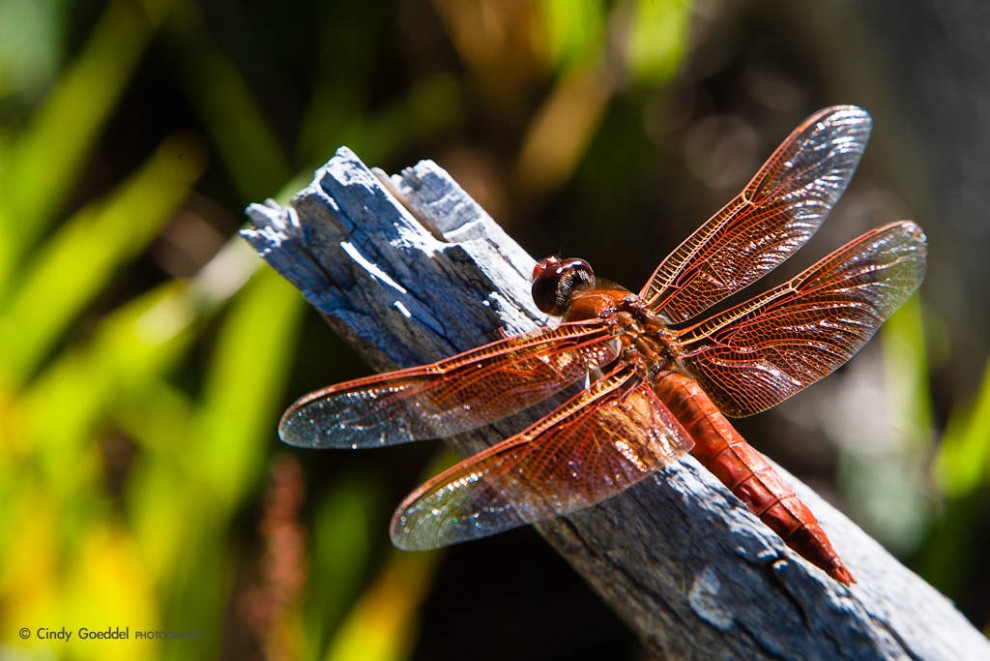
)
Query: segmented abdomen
[{"x": 723, "y": 451}]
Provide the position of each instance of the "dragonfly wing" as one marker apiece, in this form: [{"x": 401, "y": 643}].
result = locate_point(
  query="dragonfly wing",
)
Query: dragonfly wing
[
  {"x": 608, "y": 437},
  {"x": 777, "y": 212},
  {"x": 761, "y": 352},
  {"x": 464, "y": 392}
]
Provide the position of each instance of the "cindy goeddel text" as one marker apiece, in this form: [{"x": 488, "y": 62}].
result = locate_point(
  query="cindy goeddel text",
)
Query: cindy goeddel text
[{"x": 104, "y": 633}]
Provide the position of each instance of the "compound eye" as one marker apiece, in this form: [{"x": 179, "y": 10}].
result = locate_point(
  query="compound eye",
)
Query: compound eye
[
  {"x": 549, "y": 263},
  {"x": 555, "y": 281}
]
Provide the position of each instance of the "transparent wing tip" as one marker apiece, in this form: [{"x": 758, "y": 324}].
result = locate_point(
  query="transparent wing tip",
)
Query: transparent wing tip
[
  {"x": 414, "y": 533},
  {"x": 432, "y": 517},
  {"x": 299, "y": 429},
  {"x": 846, "y": 113}
]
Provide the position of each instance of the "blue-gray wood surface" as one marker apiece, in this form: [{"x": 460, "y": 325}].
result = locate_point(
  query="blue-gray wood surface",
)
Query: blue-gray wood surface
[{"x": 409, "y": 269}]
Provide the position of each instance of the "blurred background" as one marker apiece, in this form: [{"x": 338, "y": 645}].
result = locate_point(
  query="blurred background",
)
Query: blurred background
[{"x": 146, "y": 353}]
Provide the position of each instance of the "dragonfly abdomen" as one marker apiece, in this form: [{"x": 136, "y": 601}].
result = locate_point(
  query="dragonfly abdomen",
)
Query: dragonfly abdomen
[{"x": 724, "y": 452}]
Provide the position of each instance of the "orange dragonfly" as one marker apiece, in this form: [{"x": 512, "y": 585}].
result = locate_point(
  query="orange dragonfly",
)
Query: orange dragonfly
[{"x": 655, "y": 373}]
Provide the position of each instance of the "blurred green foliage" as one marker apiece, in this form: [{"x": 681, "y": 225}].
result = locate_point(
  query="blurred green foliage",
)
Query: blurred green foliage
[{"x": 141, "y": 483}]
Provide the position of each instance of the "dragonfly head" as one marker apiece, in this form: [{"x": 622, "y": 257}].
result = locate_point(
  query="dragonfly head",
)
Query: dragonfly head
[{"x": 556, "y": 280}]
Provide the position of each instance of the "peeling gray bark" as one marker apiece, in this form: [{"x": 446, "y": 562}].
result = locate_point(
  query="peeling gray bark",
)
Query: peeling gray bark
[{"x": 423, "y": 273}]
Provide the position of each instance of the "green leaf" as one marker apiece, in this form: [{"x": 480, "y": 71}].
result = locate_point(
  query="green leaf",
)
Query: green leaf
[
  {"x": 656, "y": 44},
  {"x": 963, "y": 462},
  {"x": 43, "y": 165},
  {"x": 244, "y": 385},
  {"x": 79, "y": 261},
  {"x": 574, "y": 30}
]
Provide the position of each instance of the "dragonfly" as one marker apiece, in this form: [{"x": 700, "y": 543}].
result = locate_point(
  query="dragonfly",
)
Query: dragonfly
[{"x": 647, "y": 377}]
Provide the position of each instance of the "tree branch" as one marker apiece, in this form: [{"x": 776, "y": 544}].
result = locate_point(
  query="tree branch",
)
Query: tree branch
[{"x": 419, "y": 275}]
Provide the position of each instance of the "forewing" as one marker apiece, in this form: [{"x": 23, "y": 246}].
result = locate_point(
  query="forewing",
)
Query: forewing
[
  {"x": 777, "y": 212},
  {"x": 466, "y": 391},
  {"x": 761, "y": 352},
  {"x": 598, "y": 443}
]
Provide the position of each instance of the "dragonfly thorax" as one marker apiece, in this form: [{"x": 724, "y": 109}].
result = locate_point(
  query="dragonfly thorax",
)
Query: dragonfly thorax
[{"x": 647, "y": 343}]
